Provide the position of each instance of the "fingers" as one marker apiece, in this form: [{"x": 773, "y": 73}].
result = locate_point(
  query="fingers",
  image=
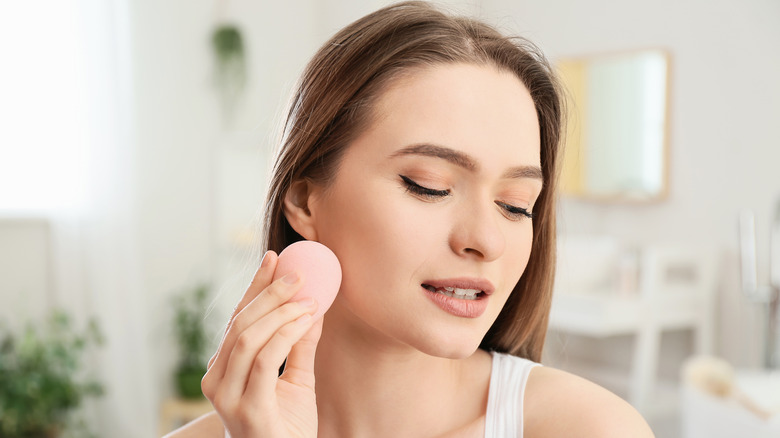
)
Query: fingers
[
  {"x": 254, "y": 344},
  {"x": 300, "y": 362},
  {"x": 260, "y": 281},
  {"x": 264, "y": 371},
  {"x": 264, "y": 329},
  {"x": 276, "y": 294}
]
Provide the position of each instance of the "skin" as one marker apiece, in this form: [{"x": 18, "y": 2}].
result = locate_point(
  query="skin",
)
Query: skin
[
  {"x": 390, "y": 362},
  {"x": 391, "y": 241}
]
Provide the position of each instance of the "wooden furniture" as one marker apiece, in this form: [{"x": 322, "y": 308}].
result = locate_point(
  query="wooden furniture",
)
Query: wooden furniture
[{"x": 175, "y": 412}]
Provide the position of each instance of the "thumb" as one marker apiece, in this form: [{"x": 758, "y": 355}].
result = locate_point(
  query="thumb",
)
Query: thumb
[{"x": 299, "y": 368}]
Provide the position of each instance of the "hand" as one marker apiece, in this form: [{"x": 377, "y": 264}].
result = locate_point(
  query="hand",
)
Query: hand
[{"x": 243, "y": 381}]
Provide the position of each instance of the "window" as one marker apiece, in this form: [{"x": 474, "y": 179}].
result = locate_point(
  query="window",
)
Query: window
[{"x": 44, "y": 108}]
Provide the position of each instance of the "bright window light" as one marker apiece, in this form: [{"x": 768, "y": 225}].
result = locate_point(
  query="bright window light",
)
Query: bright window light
[{"x": 44, "y": 107}]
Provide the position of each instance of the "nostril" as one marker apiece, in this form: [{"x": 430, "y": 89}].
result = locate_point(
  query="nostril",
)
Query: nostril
[{"x": 473, "y": 251}]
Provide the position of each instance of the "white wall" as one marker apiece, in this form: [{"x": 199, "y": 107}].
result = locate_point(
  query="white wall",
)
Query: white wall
[
  {"x": 25, "y": 269},
  {"x": 724, "y": 142}
]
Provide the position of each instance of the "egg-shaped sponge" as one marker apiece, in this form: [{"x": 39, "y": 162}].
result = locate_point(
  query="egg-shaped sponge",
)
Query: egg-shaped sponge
[{"x": 319, "y": 268}]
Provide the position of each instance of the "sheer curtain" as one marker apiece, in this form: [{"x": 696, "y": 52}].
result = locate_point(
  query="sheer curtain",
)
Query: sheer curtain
[{"x": 66, "y": 154}]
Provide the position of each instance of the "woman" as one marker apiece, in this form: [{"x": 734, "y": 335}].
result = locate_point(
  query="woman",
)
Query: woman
[{"x": 423, "y": 150}]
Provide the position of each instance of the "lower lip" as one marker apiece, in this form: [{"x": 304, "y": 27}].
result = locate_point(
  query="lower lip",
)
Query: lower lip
[{"x": 457, "y": 306}]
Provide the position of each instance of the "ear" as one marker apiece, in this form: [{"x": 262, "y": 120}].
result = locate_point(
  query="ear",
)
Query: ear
[{"x": 296, "y": 209}]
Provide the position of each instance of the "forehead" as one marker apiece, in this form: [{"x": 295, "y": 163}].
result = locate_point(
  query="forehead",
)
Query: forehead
[{"x": 478, "y": 109}]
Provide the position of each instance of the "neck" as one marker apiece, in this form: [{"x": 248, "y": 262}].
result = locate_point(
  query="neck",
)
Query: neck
[{"x": 370, "y": 385}]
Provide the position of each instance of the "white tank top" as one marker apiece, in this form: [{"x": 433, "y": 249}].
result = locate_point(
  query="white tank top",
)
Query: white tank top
[{"x": 504, "y": 417}]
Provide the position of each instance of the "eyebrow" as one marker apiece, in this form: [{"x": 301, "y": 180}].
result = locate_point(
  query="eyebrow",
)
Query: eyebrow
[{"x": 465, "y": 161}]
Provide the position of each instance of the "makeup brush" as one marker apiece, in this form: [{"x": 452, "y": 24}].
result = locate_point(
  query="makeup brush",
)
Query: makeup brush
[
  {"x": 319, "y": 268},
  {"x": 715, "y": 376}
]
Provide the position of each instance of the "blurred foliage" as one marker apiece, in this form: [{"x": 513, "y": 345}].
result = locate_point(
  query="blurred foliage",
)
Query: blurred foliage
[
  {"x": 42, "y": 378},
  {"x": 230, "y": 77},
  {"x": 190, "y": 326},
  {"x": 191, "y": 336},
  {"x": 227, "y": 42}
]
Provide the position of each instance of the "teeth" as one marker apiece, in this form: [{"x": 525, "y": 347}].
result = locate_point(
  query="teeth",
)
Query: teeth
[{"x": 466, "y": 294}]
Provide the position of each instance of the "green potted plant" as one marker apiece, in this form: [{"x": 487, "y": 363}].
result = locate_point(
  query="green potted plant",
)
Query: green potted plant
[
  {"x": 227, "y": 42},
  {"x": 42, "y": 378},
  {"x": 191, "y": 337}
]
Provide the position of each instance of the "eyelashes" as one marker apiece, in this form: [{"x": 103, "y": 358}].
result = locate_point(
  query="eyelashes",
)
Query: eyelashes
[
  {"x": 517, "y": 212},
  {"x": 514, "y": 212},
  {"x": 417, "y": 189}
]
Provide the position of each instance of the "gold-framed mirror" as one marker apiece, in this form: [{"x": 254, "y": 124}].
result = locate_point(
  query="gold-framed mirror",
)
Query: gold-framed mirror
[{"x": 617, "y": 136}]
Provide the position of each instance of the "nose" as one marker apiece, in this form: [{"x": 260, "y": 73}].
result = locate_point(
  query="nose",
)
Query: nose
[{"x": 477, "y": 234}]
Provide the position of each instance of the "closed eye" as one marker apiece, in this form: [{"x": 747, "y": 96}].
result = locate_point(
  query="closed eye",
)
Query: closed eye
[
  {"x": 515, "y": 212},
  {"x": 426, "y": 192}
]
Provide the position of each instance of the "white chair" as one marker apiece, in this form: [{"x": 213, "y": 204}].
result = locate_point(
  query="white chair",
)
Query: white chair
[{"x": 676, "y": 291}]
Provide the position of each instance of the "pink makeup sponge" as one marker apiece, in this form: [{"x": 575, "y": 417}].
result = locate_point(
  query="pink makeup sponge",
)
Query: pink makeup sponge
[{"x": 319, "y": 268}]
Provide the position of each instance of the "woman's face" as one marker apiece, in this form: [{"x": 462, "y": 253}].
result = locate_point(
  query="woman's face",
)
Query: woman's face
[{"x": 434, "y": 195}]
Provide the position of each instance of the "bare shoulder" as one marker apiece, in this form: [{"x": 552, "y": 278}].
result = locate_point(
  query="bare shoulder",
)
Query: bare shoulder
[
  {"x": 207, "y": 425},
  {"x": 560, "y": 404}
]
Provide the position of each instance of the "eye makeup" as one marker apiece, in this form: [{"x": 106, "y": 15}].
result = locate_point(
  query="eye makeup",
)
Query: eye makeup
[
  {"x": 512, "y": 212},
  {"x": 516, "y": 213},
  {"x": 417, "y": 189}
]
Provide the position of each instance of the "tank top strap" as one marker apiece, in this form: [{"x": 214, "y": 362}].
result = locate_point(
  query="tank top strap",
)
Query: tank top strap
[{"x": 508, "y": 378}]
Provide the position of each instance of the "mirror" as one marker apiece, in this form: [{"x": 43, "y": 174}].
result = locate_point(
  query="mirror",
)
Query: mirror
[{"x": 617, "y": 132}]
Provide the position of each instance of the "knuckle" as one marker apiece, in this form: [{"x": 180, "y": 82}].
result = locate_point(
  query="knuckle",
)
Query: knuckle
[
  {"x": 293, "y": 310},
  {"x": 287, "y": 332},
  {"x": 281, "y": 290},
  {"x": 224, "y": 403},
  {"x": 260, "y": 364},
  {"x": 207, "y": 387},
  {"x": 289, "y": 310},
  {"x": 220, "y": 403},
  {"x": 243, "y": 342},
  {"x": 246, "y": 413},
  {"x": 276, "y": 291}
]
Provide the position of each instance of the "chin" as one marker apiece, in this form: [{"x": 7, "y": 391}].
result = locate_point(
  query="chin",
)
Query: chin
[
  {"x": 451, "y": 351},
  {"x": 448, "y": 346}
]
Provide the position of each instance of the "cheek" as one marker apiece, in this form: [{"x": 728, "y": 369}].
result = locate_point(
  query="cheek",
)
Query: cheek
[
  {"x": 518, "y": 255},
  {"x": 381, "y": 236},
  {"x": 365, "y": 229}
]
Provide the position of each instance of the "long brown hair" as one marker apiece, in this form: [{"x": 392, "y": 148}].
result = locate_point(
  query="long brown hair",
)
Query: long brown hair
[{"x": 334, "y": 102}]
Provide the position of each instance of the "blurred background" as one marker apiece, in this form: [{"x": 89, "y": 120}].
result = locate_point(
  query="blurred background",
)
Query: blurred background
[{"x": 135, "y": 145}]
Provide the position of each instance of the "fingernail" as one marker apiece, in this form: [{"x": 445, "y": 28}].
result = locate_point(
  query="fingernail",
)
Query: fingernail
[
  {"x": 264, "y": 259},
  {"x": 290, "y": 278},
  {"x": 307, "y": 302},
  {"x": 303, "y": 319}
]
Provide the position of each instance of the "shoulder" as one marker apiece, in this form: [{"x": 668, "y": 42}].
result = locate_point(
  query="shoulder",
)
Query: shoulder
[
  {"x": 207, "y": 425},
  {"x": 560, "y": 404}
]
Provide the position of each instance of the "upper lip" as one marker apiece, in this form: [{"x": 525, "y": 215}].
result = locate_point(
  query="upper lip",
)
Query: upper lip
[{"x": 463, "y": 283}]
